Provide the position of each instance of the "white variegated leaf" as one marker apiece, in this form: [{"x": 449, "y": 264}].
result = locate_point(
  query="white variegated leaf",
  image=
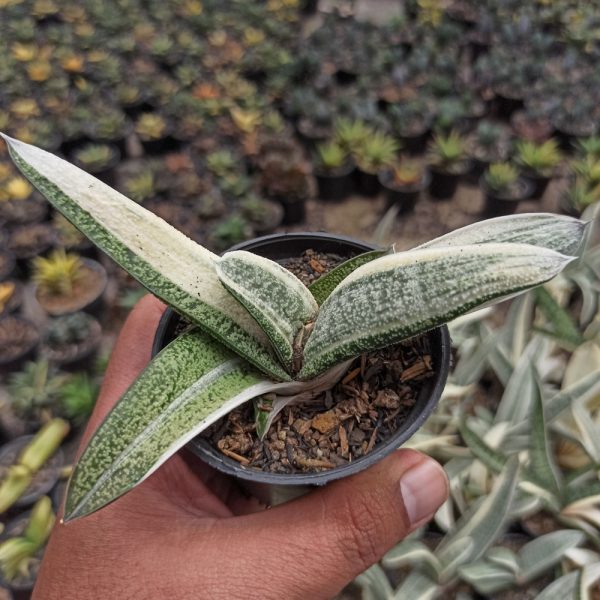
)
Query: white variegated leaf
[
  {"x": 564, "y": 588},
  {"x": 457, "y": 553},
  {"x": 375, "y": 584},
  {"x": 398, "y": 296},
  {"x": 277, "y": 299},
  {"x": 487, "y": 577},
  {"x": 417, "y": 586},
  {"x": 484, "y": 521},
  {"x": 547, "y": 230},
  {"x": 170, "y": 265},
  {"x": 415, "y": 553},
  {"x": 541, "y": 554}
]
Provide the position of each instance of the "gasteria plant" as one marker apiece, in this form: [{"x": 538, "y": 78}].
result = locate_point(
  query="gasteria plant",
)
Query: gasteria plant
[{"x": 259, "y": 330}]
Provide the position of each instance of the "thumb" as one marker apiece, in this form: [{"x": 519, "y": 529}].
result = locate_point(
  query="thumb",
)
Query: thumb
[{"x": 320, "y": 542}]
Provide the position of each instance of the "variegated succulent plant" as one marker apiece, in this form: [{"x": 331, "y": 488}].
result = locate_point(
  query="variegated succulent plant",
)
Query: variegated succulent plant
[{"x": 258, "y": 329}]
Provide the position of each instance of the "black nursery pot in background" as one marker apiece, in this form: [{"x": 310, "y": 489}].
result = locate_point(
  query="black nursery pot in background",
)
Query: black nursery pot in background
[
  {"x": 443, "y": 185},
  {"x": 335, "y": 185},
  {"x": 274, "y": 488}
]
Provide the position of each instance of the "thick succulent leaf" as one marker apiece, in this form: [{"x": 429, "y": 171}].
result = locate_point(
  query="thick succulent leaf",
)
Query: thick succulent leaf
[
  {"x": 543, "y": 553},
  {"x": 547, "y": 230},
  {"x": 164, "y": 260},
  {"x": 457, "y": 553},
  {"x": 398, "y": 296},
  {"x": 521, "y": 389},
  {"x": 486, "y": 521},
  {"x": 564, "y": 588},
  {"x": 503, "y": 557},
  {"x": 584, "y": 390},
  {"x": 542, "y": 467},
  {"x": 562, "y": 325},
  {"x": 588, "y": 430},
  {"x": 487, "y": 577},
  {"x": 517, "y": 326},
  {"x": 189, "y": 385},
  {"x": 375, "y": 584},
  {"x": 417, "y": 586},
  {"x": 277, "y": 299},
  {"x": 582, "y": 492},
  {"x": 414, "y": 553},
  {"x": 492, "y": 459},
  {"x": 322, "y": 287}
]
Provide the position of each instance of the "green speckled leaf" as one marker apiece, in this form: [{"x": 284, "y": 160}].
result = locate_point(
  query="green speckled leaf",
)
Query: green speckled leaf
[
  {"x": 165, "y": 261},
  {"x": 555, "y": 232},
  {"x": 322, "y": 287},
  {"x": 189, "y": 385},
  {"x": 277, "y": 299},
  {"x": 401, "y": 295}
]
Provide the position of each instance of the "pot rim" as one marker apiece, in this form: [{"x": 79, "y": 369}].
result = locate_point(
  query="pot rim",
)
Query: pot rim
[{"x": 426, "y": 401}]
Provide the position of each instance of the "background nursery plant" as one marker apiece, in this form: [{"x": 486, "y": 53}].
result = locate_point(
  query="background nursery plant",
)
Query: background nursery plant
[{"x": 286, "y": 341}]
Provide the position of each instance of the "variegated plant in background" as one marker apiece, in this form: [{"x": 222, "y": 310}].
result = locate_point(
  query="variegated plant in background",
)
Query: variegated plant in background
[{"x": 258, "y": 330}]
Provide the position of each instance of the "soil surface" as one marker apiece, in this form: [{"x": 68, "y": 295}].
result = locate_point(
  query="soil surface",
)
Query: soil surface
[{"x": 365, "y": 408}]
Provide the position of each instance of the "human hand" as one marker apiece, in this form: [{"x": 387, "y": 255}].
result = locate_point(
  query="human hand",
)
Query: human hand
[{"x": 189, "y": 532}]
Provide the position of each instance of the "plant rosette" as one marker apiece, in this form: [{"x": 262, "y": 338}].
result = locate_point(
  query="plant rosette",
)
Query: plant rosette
[
  {"x": 534, "y": 129},
  {"x": 505, "y": 201},
  {"x": 333, "y": 171},
  {"x": 258, "y": 330},
  {"x": 71, "y": 342},
  {"x": 403, "y": 194},
  {"x": 98, "y": 159},
  {"x": 19, "y": 340},
  {"x": 86, "y": 293},
  {"x": 44, "y": 478},
  {"x": 302, "y": 472}
]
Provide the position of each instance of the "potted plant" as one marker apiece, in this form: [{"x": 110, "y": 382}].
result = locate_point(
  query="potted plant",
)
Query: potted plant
[
  {"x": 19, "y": 339},
  {"x": 30, "y": 465},
  {"x": 333, "y": 171},
  {"x": 19, "y": 203},
  {"x": 374, "y": 154},
  {"x": 99, "y": 160},
  {"x": 448, "y": 161},
  {"x": 78, "y": 397},
  {"x": 577, "y": 198},
  {"x": 532, "y": 124},
  {"x": 288, "y": 182},
  {"x": 21, "y": 549},
  {"x": 153, "y": 132},
  {"x": 289, "y": 339},
  {"x": 489, "y": 143},
  {"x": 404, "y": 183},
  {"x": 503, "y": 189},
  {"x": 72, "y": 341},
  {"x": 538, "y": 163},
  {"x": 349, "y": 134},
  {"x": 67, "y": 283},
  {"x": 264, "y": 215}
]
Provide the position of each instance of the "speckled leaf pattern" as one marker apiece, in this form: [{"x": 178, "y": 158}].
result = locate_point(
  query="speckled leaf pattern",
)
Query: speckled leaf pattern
[
  {"x": 277, "y": 299},
  {"x": 322, "y": 287},
  {"x": 165, "y": 261},
  {"x": 398, "y": 296},
  {"x": 555, "y": 232},
  {"x": 189, "y": 385}
]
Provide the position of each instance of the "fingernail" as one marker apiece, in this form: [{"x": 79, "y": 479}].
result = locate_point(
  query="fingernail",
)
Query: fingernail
[{"x": 424, "y": 489}]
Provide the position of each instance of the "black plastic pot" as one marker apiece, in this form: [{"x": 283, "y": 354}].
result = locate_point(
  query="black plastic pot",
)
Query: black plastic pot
[
  {"x": 496, "y": 204},
  {"x": 335, "y": 185},
  {"x": 506, "y": 105},
  {"x": 415, "y": 144},
  {"x": 273, "y": 488},
  {"x": 294, "y": 211},
  {"x": 443, "y": 185},
  {"x": 538, "y": 183},
  {"x": 405, "y": 198},
  {"x": 367, "y": 183}
]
